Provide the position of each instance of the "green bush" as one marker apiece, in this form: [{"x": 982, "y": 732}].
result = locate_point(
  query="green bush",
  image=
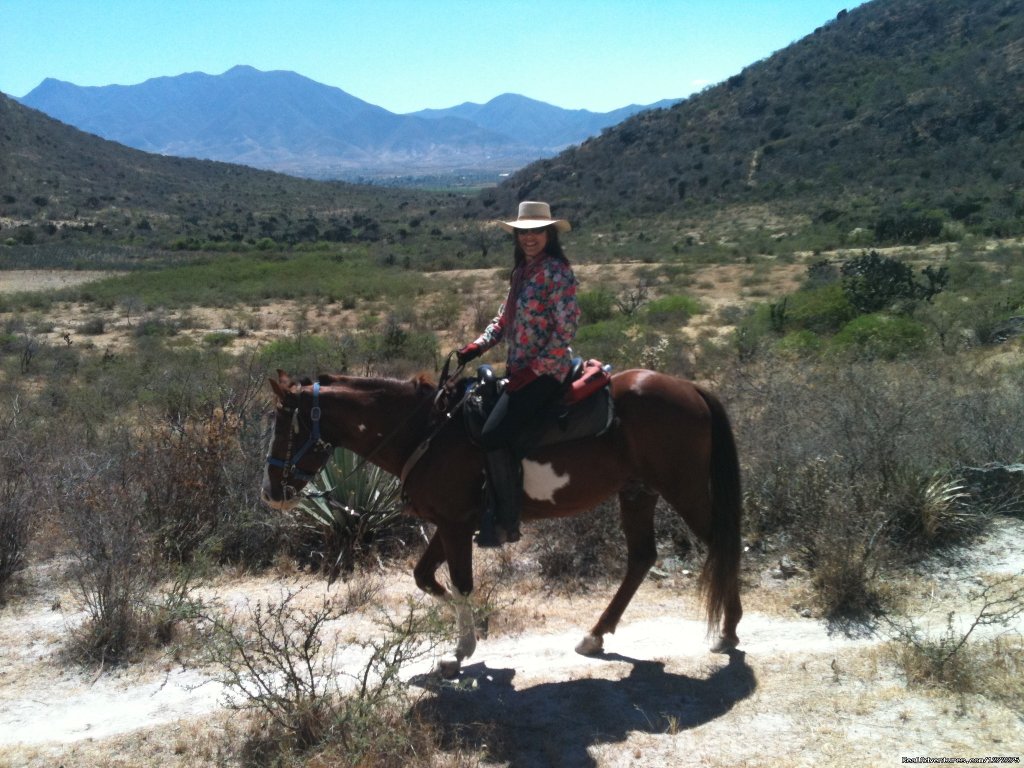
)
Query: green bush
[
  {"x": 676, "y": 309},
  {"x": 873, "y": 282},
  {"x": 219, "y": 339},
  {"x": 908, "y": 226},
  {"x": 801, "y": 343},
  {"x": 305, "y": 354},
  {"x": 93, "y": 327},
  {"x": 880, "y": 337},
  {"x": 605, "y": 340},
  {"x": 821, "y": 310},
  {"x": 596, "y": 306}
]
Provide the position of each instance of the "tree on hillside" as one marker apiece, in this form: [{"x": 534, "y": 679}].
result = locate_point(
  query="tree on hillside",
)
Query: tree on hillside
[{"x": 873, "y": 282}]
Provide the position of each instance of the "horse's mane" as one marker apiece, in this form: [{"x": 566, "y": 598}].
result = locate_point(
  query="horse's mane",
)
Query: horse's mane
[
  {"x": 424, "y": 380},
  {"x": 421, "y": 382}
]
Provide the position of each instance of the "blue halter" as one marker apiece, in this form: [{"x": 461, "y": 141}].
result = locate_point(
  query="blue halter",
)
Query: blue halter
[{"x": 290, "y": 464}]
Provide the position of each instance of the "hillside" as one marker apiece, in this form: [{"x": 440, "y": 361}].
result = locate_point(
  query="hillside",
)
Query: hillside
[
  {"x": 898, "y": 117},
  {"x": 59, "y": 182}
]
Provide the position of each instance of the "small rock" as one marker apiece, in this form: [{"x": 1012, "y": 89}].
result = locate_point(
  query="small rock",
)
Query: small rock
[{"x": 787, "y": 567}]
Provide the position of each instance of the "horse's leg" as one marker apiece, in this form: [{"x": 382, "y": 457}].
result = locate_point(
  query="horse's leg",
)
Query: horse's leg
[
  {"x": 454, "y": 543},
  {"x": 426, "y": 569},
  {"x": 636, "y": 505}
]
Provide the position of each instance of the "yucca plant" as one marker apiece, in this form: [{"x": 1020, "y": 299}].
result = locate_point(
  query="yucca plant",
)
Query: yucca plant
[
  {"x": 936, "y": 510},
  {"x": 353, "y": 505}
]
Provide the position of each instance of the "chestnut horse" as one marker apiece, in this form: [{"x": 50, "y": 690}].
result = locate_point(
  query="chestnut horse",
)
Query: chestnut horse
[{"x": 670, "y": 438}]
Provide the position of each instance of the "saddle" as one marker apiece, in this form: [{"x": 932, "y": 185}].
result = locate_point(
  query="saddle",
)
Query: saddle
[{"x": 585, "y": 408}]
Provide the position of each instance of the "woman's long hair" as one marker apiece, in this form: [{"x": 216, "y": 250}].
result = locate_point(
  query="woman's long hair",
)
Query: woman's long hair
[{"x": 553, "y": 249}]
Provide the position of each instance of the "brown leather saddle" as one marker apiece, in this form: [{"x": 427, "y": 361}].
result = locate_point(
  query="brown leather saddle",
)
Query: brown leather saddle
[{"x": 585, "y": 408}]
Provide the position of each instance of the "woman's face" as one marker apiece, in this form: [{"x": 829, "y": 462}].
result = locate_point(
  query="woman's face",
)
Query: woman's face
[{"x": 532, "y": 241}]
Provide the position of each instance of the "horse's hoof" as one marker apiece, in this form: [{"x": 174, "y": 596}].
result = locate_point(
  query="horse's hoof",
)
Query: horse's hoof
[
  {"x": 591, "y": 645},
  {"x": 449, "y": 668},
  {"x": 724, "y": 645},
  {"x": 465, "y": 650}
]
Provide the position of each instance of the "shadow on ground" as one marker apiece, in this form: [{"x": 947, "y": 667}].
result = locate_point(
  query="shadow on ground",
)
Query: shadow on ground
[{"x": 555, "y": 723}]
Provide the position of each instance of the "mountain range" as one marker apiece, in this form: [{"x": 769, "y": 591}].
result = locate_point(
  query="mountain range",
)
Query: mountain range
[
  {"x": 285, "y": 122},
  {"x": 898, "y": 121}
]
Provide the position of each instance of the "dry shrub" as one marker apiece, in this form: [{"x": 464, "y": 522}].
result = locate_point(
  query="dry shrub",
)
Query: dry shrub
[
  {"x": 118, "y": 565},
  {"x": 958, "y": 661},
  {"x": 197, "y": 487},
  {"x": 18, "y": 509},
  {"x": 113, "y": 571},
  {"x": 583, "y": 547},
  {"x": 848, "y": 465},
  {"x": 278, "y": 664}
]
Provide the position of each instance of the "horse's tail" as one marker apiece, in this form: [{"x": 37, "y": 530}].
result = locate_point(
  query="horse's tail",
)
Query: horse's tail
[{"x": 719, "y": 579}]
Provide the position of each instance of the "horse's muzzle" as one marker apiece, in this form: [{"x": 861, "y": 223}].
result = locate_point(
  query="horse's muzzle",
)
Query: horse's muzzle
[{"x": 286, "y": 504}]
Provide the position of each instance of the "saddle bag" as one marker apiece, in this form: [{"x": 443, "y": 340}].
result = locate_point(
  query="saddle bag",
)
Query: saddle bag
[{"x": 586, "y": 380}]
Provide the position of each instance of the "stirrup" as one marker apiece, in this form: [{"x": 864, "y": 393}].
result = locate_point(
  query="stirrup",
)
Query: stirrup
[{"x": 494, "y": 537}]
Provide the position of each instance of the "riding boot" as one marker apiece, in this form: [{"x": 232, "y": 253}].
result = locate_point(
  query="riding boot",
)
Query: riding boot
[{"x": 504, "y": 497}]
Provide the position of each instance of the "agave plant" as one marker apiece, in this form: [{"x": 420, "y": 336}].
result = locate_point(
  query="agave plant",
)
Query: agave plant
[
  {"x": 944, "y": 509},
  {"x": 352, "y": 505},
  {"x": 937, "y": 510}
]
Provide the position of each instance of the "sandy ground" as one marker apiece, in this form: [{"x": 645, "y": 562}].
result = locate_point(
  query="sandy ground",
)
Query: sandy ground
[
  {"x": 795, "y": 693},
  {"x": 15, "y": 280}
]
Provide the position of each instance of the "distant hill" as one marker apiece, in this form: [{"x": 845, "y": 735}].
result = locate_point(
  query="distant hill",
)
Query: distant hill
[
  {"x": 58, "y": 183},
  {"x": 900, "y": 116},
  {"x": 537, "y": 124},
  {"x": 285, "y": 122}
]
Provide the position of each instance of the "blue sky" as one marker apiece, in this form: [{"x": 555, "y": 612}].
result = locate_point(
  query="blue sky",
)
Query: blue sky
[{"x": 406, "y": 55}]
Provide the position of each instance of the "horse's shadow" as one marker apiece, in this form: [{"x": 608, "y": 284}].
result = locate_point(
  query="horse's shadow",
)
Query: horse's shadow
[{"x": 555, "y": 723}]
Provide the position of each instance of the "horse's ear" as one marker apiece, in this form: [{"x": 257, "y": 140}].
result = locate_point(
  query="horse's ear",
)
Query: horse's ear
[
  {"x": 423, "y": 382},
  {"x": 283, "y": 386},
  {"x": 278, "y": 389}
]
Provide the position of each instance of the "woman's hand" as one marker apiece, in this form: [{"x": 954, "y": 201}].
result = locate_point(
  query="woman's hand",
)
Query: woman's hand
[{"x": 467, "y": 353}]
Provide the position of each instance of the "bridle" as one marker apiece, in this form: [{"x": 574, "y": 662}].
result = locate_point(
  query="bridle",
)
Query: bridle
[
  {"x": 289, "y": 465},
  {"x": 316, "y": 444}
]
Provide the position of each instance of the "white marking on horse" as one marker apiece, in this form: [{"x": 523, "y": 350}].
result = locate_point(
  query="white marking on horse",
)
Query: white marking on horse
[
  {"x": 541, "y": 481},
  {"x": 362, "y": 427}
]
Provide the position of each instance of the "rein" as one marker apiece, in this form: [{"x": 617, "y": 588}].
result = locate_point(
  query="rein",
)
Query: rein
[{"x": 441, "y": 406}]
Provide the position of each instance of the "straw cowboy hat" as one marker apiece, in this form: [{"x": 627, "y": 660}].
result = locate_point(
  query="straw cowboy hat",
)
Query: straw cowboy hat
[{"x": 534, "y": 215}]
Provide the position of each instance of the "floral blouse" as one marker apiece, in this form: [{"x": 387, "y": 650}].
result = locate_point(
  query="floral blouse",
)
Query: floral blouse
[{"x": 544, "y": 320}]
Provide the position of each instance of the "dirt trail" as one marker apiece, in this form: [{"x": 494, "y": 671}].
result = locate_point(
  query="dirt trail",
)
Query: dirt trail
[{"x": 795, "y": 693}]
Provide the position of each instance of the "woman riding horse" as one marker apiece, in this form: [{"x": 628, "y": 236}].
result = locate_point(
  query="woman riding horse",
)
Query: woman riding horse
[
  {"x": 537, "y": 322},
  {"x": 671, "y": 438}
]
